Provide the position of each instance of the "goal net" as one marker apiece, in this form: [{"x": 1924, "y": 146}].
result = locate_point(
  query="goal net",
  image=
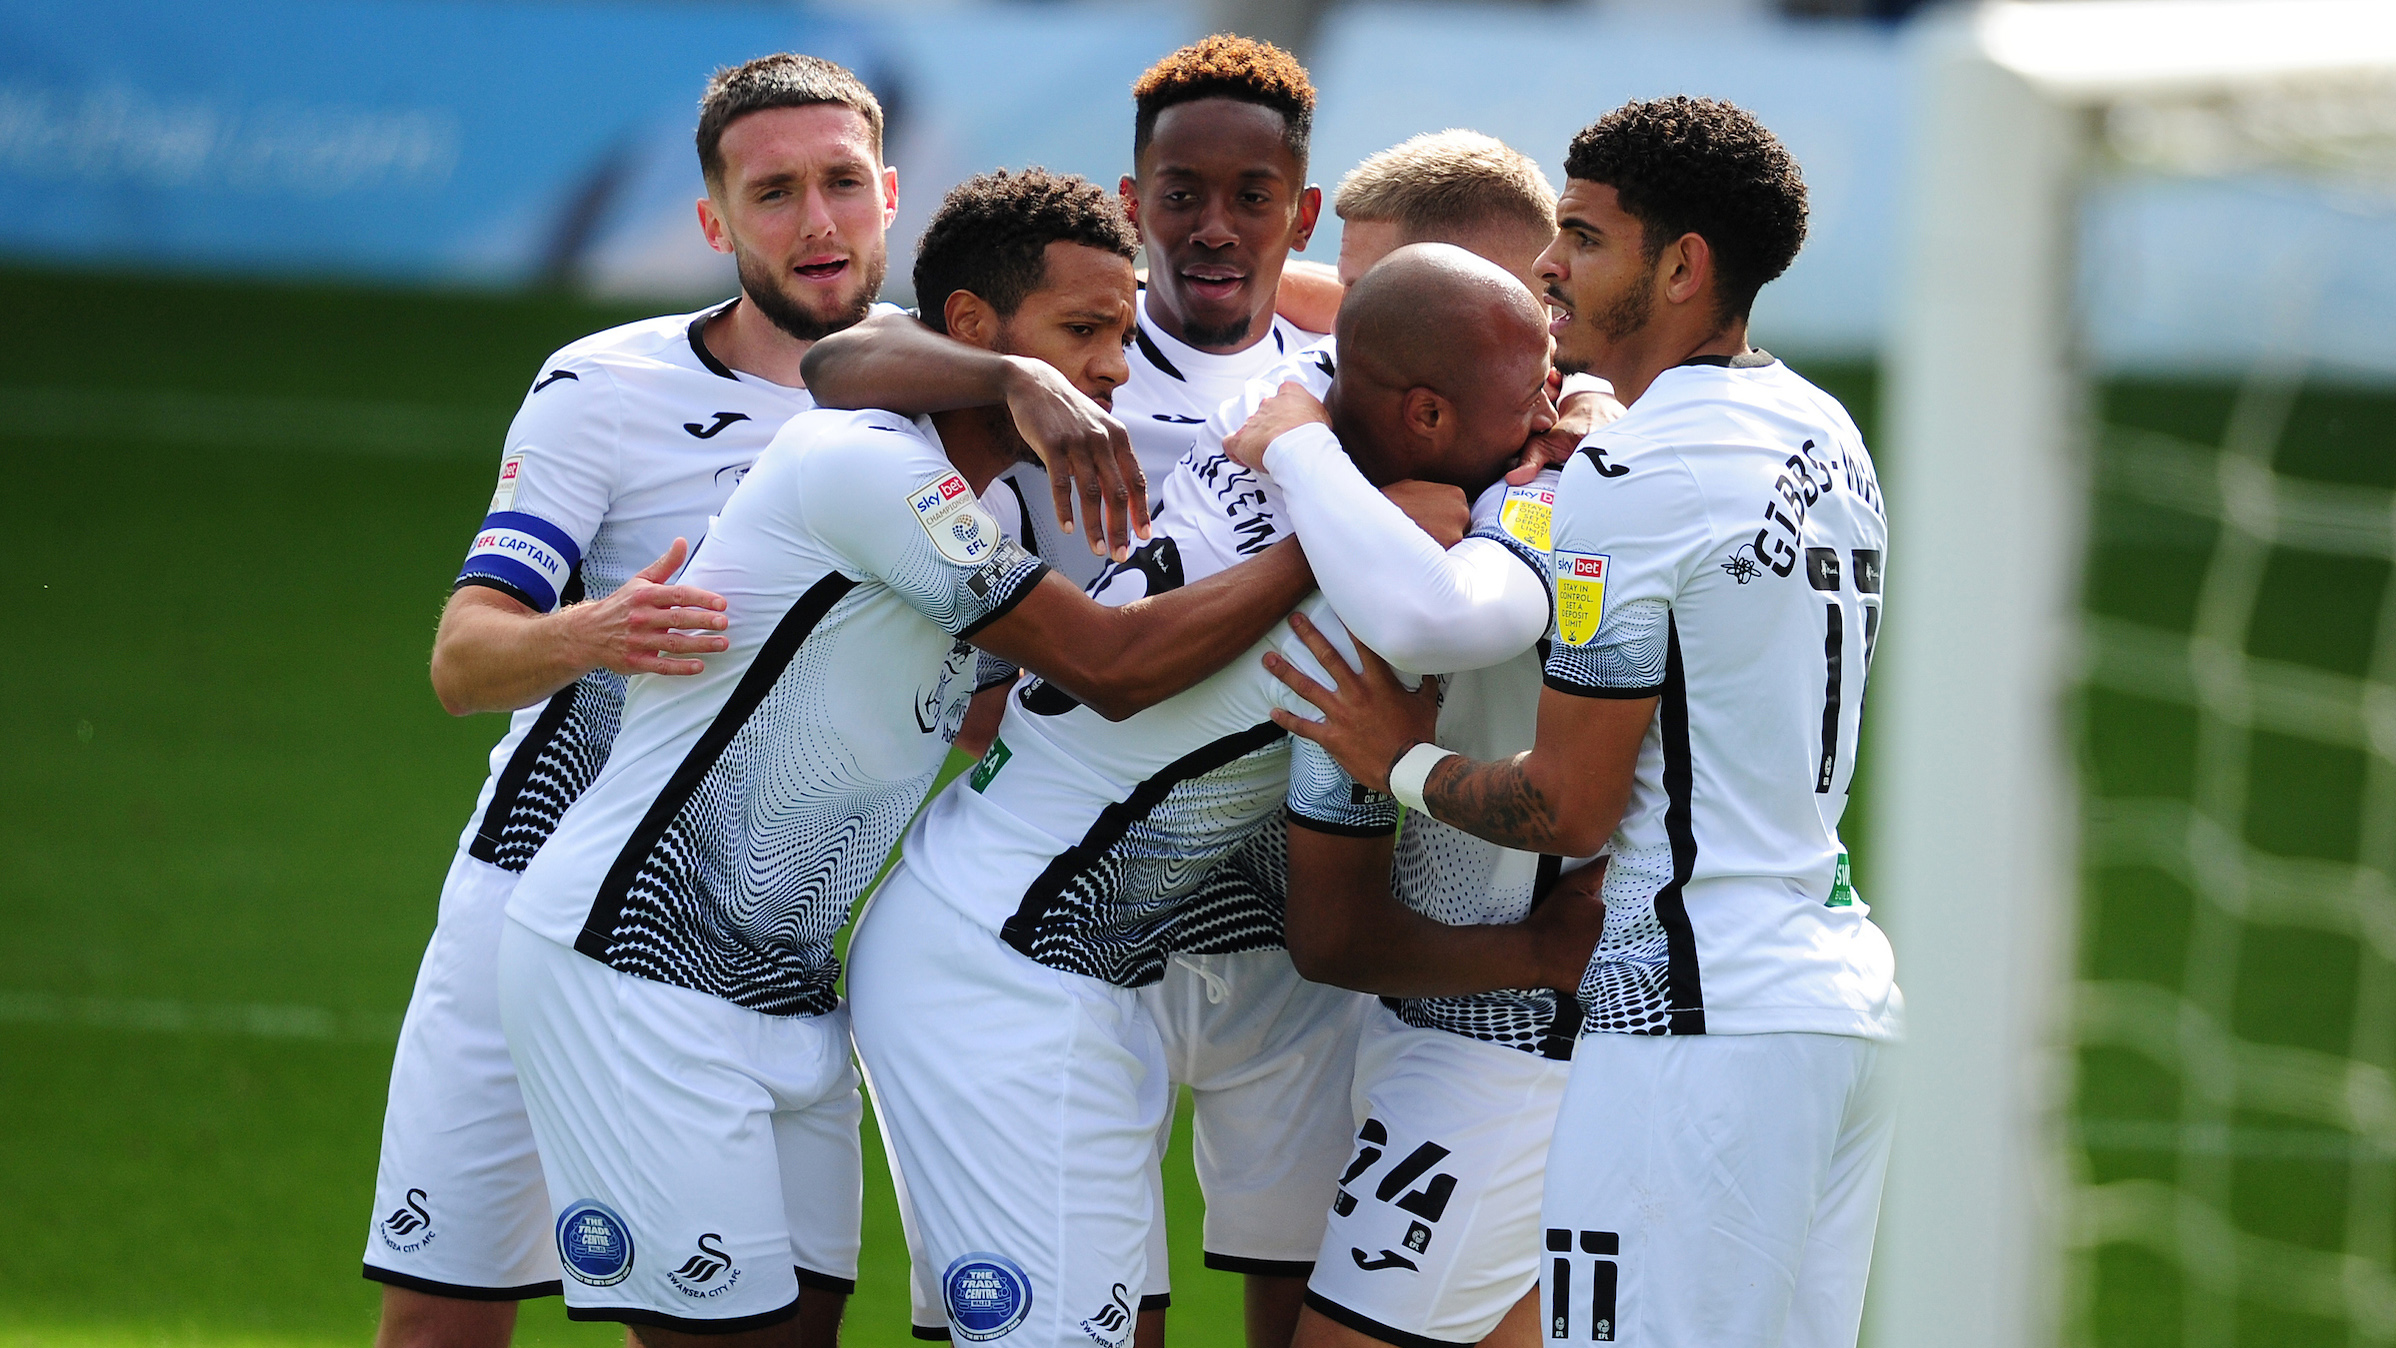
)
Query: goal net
[{"x": 2135, "y": 807}]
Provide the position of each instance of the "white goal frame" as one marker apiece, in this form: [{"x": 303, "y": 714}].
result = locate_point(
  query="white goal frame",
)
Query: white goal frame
[{"x": 1975, "y": 806}]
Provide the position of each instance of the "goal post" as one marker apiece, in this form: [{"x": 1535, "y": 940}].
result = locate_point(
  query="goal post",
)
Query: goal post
[{"x": 1976, "y": 797}]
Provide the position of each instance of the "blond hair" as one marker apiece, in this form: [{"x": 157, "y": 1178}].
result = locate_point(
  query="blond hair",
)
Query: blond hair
[{"x": 1442, "y": 183}]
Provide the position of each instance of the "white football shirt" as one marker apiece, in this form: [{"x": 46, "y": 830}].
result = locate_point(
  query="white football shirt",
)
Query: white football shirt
[
  {"x": 1441, "y": 871},
  {"x": 1173, "y": 391},
  {"x": 1094, "y": 847},
  {"x": 629, "y": 439},
  {"x": 1721, "y": 548},
  {"x": 1080, "y": 841},
  {"x": 744, "y": 808}
]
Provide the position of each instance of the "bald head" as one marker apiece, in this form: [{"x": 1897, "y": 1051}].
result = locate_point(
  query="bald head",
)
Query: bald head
[
  {"x": 1433, "y": 314},
  {"x": 1433, "y": 319}
]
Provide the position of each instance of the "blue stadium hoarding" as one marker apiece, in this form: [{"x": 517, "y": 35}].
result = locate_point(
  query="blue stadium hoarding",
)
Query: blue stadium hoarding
[
  {"x": 494, "y": 141},
  {"x": 408, "y": 138}
]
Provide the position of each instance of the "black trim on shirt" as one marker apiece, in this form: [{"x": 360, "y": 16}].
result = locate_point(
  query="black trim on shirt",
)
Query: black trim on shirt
[
  {"x": 1023, "y": 508},
  {"x": 490, "y": 831},
  {"x": 515, "y": 592},
  {"x": 1754, "y": 359},
  {"x": 598, "y": 929},
  {"x": 1155, "y": 357},
  {"x": 1031, "y": 583},
  {"x": 1613, "y": 694},
  {"x": 1021, "y": 931},
  {"x": 1564, "y": 1027},
  {"x": 1684, "y": 996},
  {"x": 698, "y": 330},
  {"x": 1339, "y": 830}
]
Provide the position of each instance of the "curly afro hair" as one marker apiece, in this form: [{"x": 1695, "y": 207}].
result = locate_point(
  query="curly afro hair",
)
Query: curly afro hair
[
  {"x": 1700, "y": 166},
  {"x": 1226, "y": 66},
  {"x": 991, "y": 236}
]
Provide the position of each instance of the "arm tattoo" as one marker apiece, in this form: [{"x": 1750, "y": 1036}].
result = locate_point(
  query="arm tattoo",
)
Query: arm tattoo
[{"x": 1497, "y": 801}]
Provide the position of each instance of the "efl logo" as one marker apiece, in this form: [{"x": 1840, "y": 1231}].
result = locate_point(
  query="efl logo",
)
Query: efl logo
[{"x": 1589, "y": 568}]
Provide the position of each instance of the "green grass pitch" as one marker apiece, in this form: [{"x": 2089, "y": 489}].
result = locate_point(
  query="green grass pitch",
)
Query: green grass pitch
[{"x": 230, "y": 797}]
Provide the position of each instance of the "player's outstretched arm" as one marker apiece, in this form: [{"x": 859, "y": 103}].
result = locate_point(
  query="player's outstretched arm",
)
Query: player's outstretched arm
[
  {"x": 1564, "y": 796},
  {"x": 894, "y": 362},
  {"x": 1428, "y": 605},
  {"x": 1121, "y": 661},
  {"x": 1345, "y": 928},
  {"x": 493, "y": 652}
]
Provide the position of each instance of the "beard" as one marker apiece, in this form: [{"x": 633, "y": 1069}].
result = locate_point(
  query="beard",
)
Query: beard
[
  {"x": 1614, "y": 321},
  {"x": 1627, "y": 314},
  {"x": 1205, "y": 338},
  {"x": 762, "y": 283}
]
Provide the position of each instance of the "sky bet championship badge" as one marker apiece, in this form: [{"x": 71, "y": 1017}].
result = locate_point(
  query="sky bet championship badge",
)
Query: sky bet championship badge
[
  {"x": 987, "y": 1296},
  {"x": 1527, "y": 513},
  {"x": 947, "y": 510},
  {"x": 594, "y": 1244},
  {"x": 1580, "y": 594}
]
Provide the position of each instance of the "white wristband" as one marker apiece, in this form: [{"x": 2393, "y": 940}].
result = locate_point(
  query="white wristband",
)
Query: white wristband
[{"x": 1411, "y": 771}]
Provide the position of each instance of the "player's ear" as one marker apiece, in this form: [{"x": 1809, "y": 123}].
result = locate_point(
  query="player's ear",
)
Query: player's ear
[
  {"x": 971, "y": 319},
  {"x": 1689, "y": 265},
  {"x": 1310, "y": 209},
  {"x": 1130, "y": 192},
  {"x": 889, "y": 194},
  {"x": 1427, "y": 415},
  {"x": 711, "y": 226}
]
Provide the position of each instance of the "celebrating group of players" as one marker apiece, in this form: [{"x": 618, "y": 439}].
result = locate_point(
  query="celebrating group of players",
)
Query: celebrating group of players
[{"x": 1430, "y": 764}]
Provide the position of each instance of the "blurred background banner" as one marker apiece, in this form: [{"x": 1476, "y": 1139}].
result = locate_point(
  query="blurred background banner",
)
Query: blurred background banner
[
  {"x": 505, "y": 143},
  {"x": 455, "y": 142},
  {"x": 502, "y": 143},
  {"x": 1533, "y": 76}
]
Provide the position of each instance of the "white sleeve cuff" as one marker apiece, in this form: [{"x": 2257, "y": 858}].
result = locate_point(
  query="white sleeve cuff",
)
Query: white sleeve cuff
[{"x": 1585, "y": 383}]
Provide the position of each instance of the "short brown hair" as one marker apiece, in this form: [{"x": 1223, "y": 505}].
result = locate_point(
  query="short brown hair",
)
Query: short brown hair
[
  {"x": 1227, "y": 66},
  {"x": 1443, "y": 182},
  {"x": 783, "y": 80}
]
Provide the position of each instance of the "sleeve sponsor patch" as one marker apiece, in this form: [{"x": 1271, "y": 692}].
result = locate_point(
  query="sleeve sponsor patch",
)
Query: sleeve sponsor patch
[
  {"x": 524, "y": 555},
  {"x": 1580, "y": 594},
  {"x": 505, "y": 497},
  {"x": 959, "y": 528},
  {"x": 1528, "y": 514}
]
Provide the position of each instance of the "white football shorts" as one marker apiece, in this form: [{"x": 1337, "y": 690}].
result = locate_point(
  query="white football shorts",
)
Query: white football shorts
[
  {"x": 703, "y": 1159},
  {"x": 1435, "y": 1234},
  {"x": 1021, "y": 1104},
  {"x": 459, "y": 1207},
  {"x": 1714, "y": 1191},
  {"x": 1270, "y": 1062}
]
